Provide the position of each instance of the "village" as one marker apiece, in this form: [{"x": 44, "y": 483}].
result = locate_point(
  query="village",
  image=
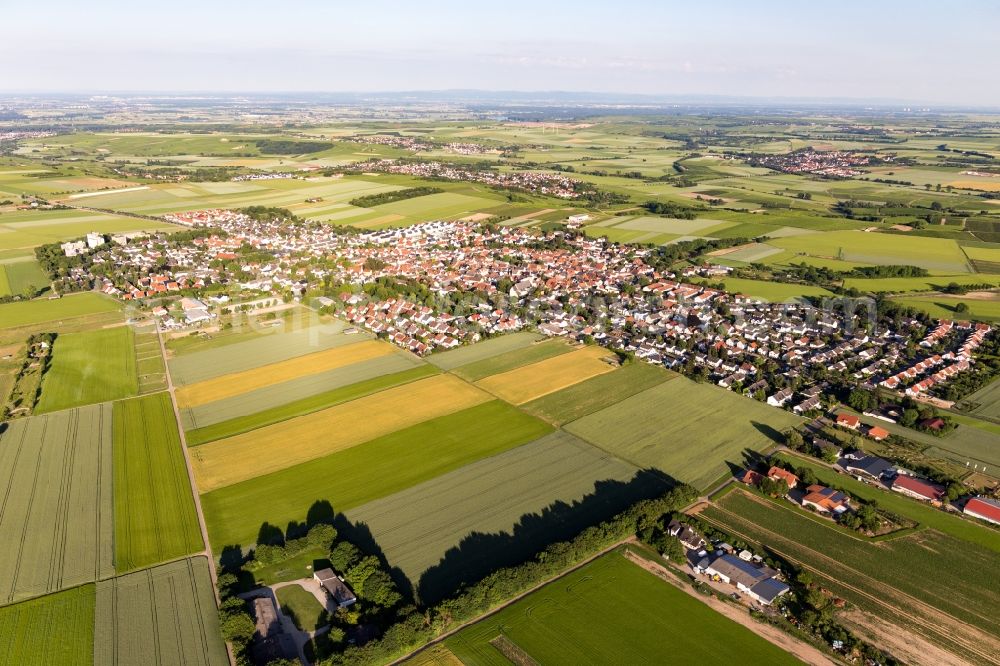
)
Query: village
[
  {"x": 438, "y": 285},
  {"x": 830, "y": 164}
]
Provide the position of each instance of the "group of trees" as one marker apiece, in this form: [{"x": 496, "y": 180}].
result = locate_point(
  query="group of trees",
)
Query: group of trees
[
  {"x": 670, "y": 209},
  {"x": 372, "y": 200}
]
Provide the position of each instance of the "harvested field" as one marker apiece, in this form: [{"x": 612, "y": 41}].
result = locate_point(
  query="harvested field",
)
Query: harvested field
[
  {"x": 688, "y": 430},
  {"x": 454, "y": 358},
  {"x": 259, "y": 350},
  {"x": 89, "y": 367},
  {"x": 165, "y": 616},
  {"x": 557, "y": 624},
  {"x": 537, "y": 379},
  {"x": 510, "y": 360},
  {"x": 457, "y": 527},
  {"x": 237, "y": 383},
  {"x": 56, "y": 520},
  {"x": 304, "y": 438},
  {"x": 154, "y": 508},
  {"x": 54, "y": 630},
  {"x": 366, "y": 472},
  {"x": 597, "y": 392}
]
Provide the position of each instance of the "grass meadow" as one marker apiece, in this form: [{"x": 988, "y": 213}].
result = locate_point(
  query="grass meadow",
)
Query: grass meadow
[
  {"x": 451, "y": 359},
  {"x": 364, "y": 473},
  {"x": 591, "y": 615},
  {"x": 89, "y": 367},
  {"x": 57, "y": 519},
  {"x": 44, "y": 311},
  {"x": 155, "y": 518}
]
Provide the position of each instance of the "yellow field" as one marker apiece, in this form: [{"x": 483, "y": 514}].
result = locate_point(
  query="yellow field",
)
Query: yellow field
[
  {"x": 532, "y": 381},
  {"x": 436, "y": 655},
  {"x": 236, "y": 383},
  {"x": 304, "y": 438},
  {"x": 987, "y": 185}
]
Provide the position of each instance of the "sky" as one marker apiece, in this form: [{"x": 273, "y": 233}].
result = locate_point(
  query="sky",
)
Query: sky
[{"x": 921, "y": 51}]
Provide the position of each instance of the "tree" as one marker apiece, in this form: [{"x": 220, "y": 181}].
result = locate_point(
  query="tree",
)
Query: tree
[
  {"x": 909, "y": 417},
  {"x": 380, "y": 590},
  {"x": 793, "y": 439},
  {"x": 344, "y": 555},
  {"x": 961, "y": 308},
  {"x": 236, "y": 627},
  {"x": 673, "y": 550},
  {"x": 861, "y": 400}
]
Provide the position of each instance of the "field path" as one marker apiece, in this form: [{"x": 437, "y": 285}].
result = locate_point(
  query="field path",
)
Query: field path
[{"x": 798, "y": 648}]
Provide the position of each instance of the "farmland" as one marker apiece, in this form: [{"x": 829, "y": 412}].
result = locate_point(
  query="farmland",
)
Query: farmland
[
  {"x": 154, "y": 508},
  {"x": 20, "y": 276},
  {"x": 44, "y": 311},
  {"x": 596, "y": 393},
  {"x": 163, "y": 615},
  {"x": 29, "y": 628},
  {"x": 89, "y": 367},
  {"x": 237, "y": 383},
  {"x": 557, "y": 624},
  {"x": 480, "y": 351},
  {"x": 497, "y": 511},
  {"x": 665, "y": 427},
  {"x": 56, "y": 521},
  {"x": 253, "y": 410},
  {"x": 927, "y": 580},
  {"x": 538, "y": 379},
  {"x": 986, "y": 401},
  {"x": 304, "y": 438},
  {"x": 943, "y": 255},
  {"x": 256, "y": 350},
  {"x": 364, "y": 473},
  {"x": 511, "y": 360}
]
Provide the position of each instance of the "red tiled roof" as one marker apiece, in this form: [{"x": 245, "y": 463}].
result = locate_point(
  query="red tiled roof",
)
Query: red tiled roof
[
  {"x": 923, "y": 488},
  {"x": 985, "y": 509}
]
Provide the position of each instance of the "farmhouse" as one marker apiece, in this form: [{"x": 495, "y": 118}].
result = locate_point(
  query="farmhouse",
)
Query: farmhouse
[
  {"x": 869, "y": 466},
  {"x": 984, "y": 508},
  {"x": 918, "y": 488},
  {"x": 686, "y": 535},
  {"x": 335, "y": 587},
  {"x": 848, "y": 421},
  {"x": 778, "y": 474},
  {"x": 825, "y": 500},
  {"x": 758, "y": 582}
]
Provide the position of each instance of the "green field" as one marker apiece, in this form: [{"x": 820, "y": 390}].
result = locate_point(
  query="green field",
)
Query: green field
[
  {"x": 366, "y": 472},
  {"x": 292, "y": 395},
  {"x": 986, "y": 401},
  {"x": 597, "y": 392},
  {"x": 688, "y": 430},
  {"x": 56, "y": 520},
  {"x": 454, "y": 358},
  {"x": 54, "y": 630},
  {"x": 154, "y": 508},
  {"x": 21, "y": 277},
  {"x": 258, "y": 350},
  {"x": 165, "y": 615},
  {"x": 302, "y": 607},
  {"x": 773, "y": 291},
  {"x": 513, "y": 359},
  {"x": 940, "y": 306},
  {"x": 25, "y": 313},
  {"x": 934, "y": 254},
  {"x": 952, "y": 577},
  {"x": 89, "y": 367},
  {"x": 592, "y": 616},
  {"x": 457, "y": 526},
  {"x": 921, "y": 512}
]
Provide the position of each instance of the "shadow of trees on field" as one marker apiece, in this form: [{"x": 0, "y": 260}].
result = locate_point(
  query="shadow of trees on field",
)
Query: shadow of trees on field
[
  {"x": 769, "y": 432},
  {"x": 478, "y": 554}
]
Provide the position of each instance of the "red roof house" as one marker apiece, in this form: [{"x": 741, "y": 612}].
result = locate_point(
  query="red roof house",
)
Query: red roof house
[
  {"x": 918, "y": 488},
  {"x": 848, "y": 421},
  {"x": 983, "y": 508}
]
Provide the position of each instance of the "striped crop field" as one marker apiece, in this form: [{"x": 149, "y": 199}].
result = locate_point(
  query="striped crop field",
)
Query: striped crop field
[
  {"x": 164, "y": 615},
  {"x": 533, "y": 491},
  {"x": 512, "y": 359},
  {"x": 685, "y": 429},
  {"x": 454, "y": 358},
  {"x": 238, "y": 383},
  {"x": 54, "y": 630},
  {"x": 56, "y": 520},
  {"x": 269, "y": 449},
  {"x": 257, "y": 350},
  {"x": 537, "y": 379},
  {"x": 89, "y": 367},
  {"x": 598, "y": 392},
  {"x": 154, "y": 508},
  {"x": 366, "y": 472}
]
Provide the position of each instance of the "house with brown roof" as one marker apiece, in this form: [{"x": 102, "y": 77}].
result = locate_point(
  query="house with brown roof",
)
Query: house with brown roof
[
  {"x": 848, "y": 421},
  {"x": 779, "y": 474},
  {"x": 877, "y": 433},
  {"x": 825, "y": 500}
]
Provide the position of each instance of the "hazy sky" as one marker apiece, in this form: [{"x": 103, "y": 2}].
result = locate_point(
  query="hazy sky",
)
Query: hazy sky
[{"x": 942, "y": 52}]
